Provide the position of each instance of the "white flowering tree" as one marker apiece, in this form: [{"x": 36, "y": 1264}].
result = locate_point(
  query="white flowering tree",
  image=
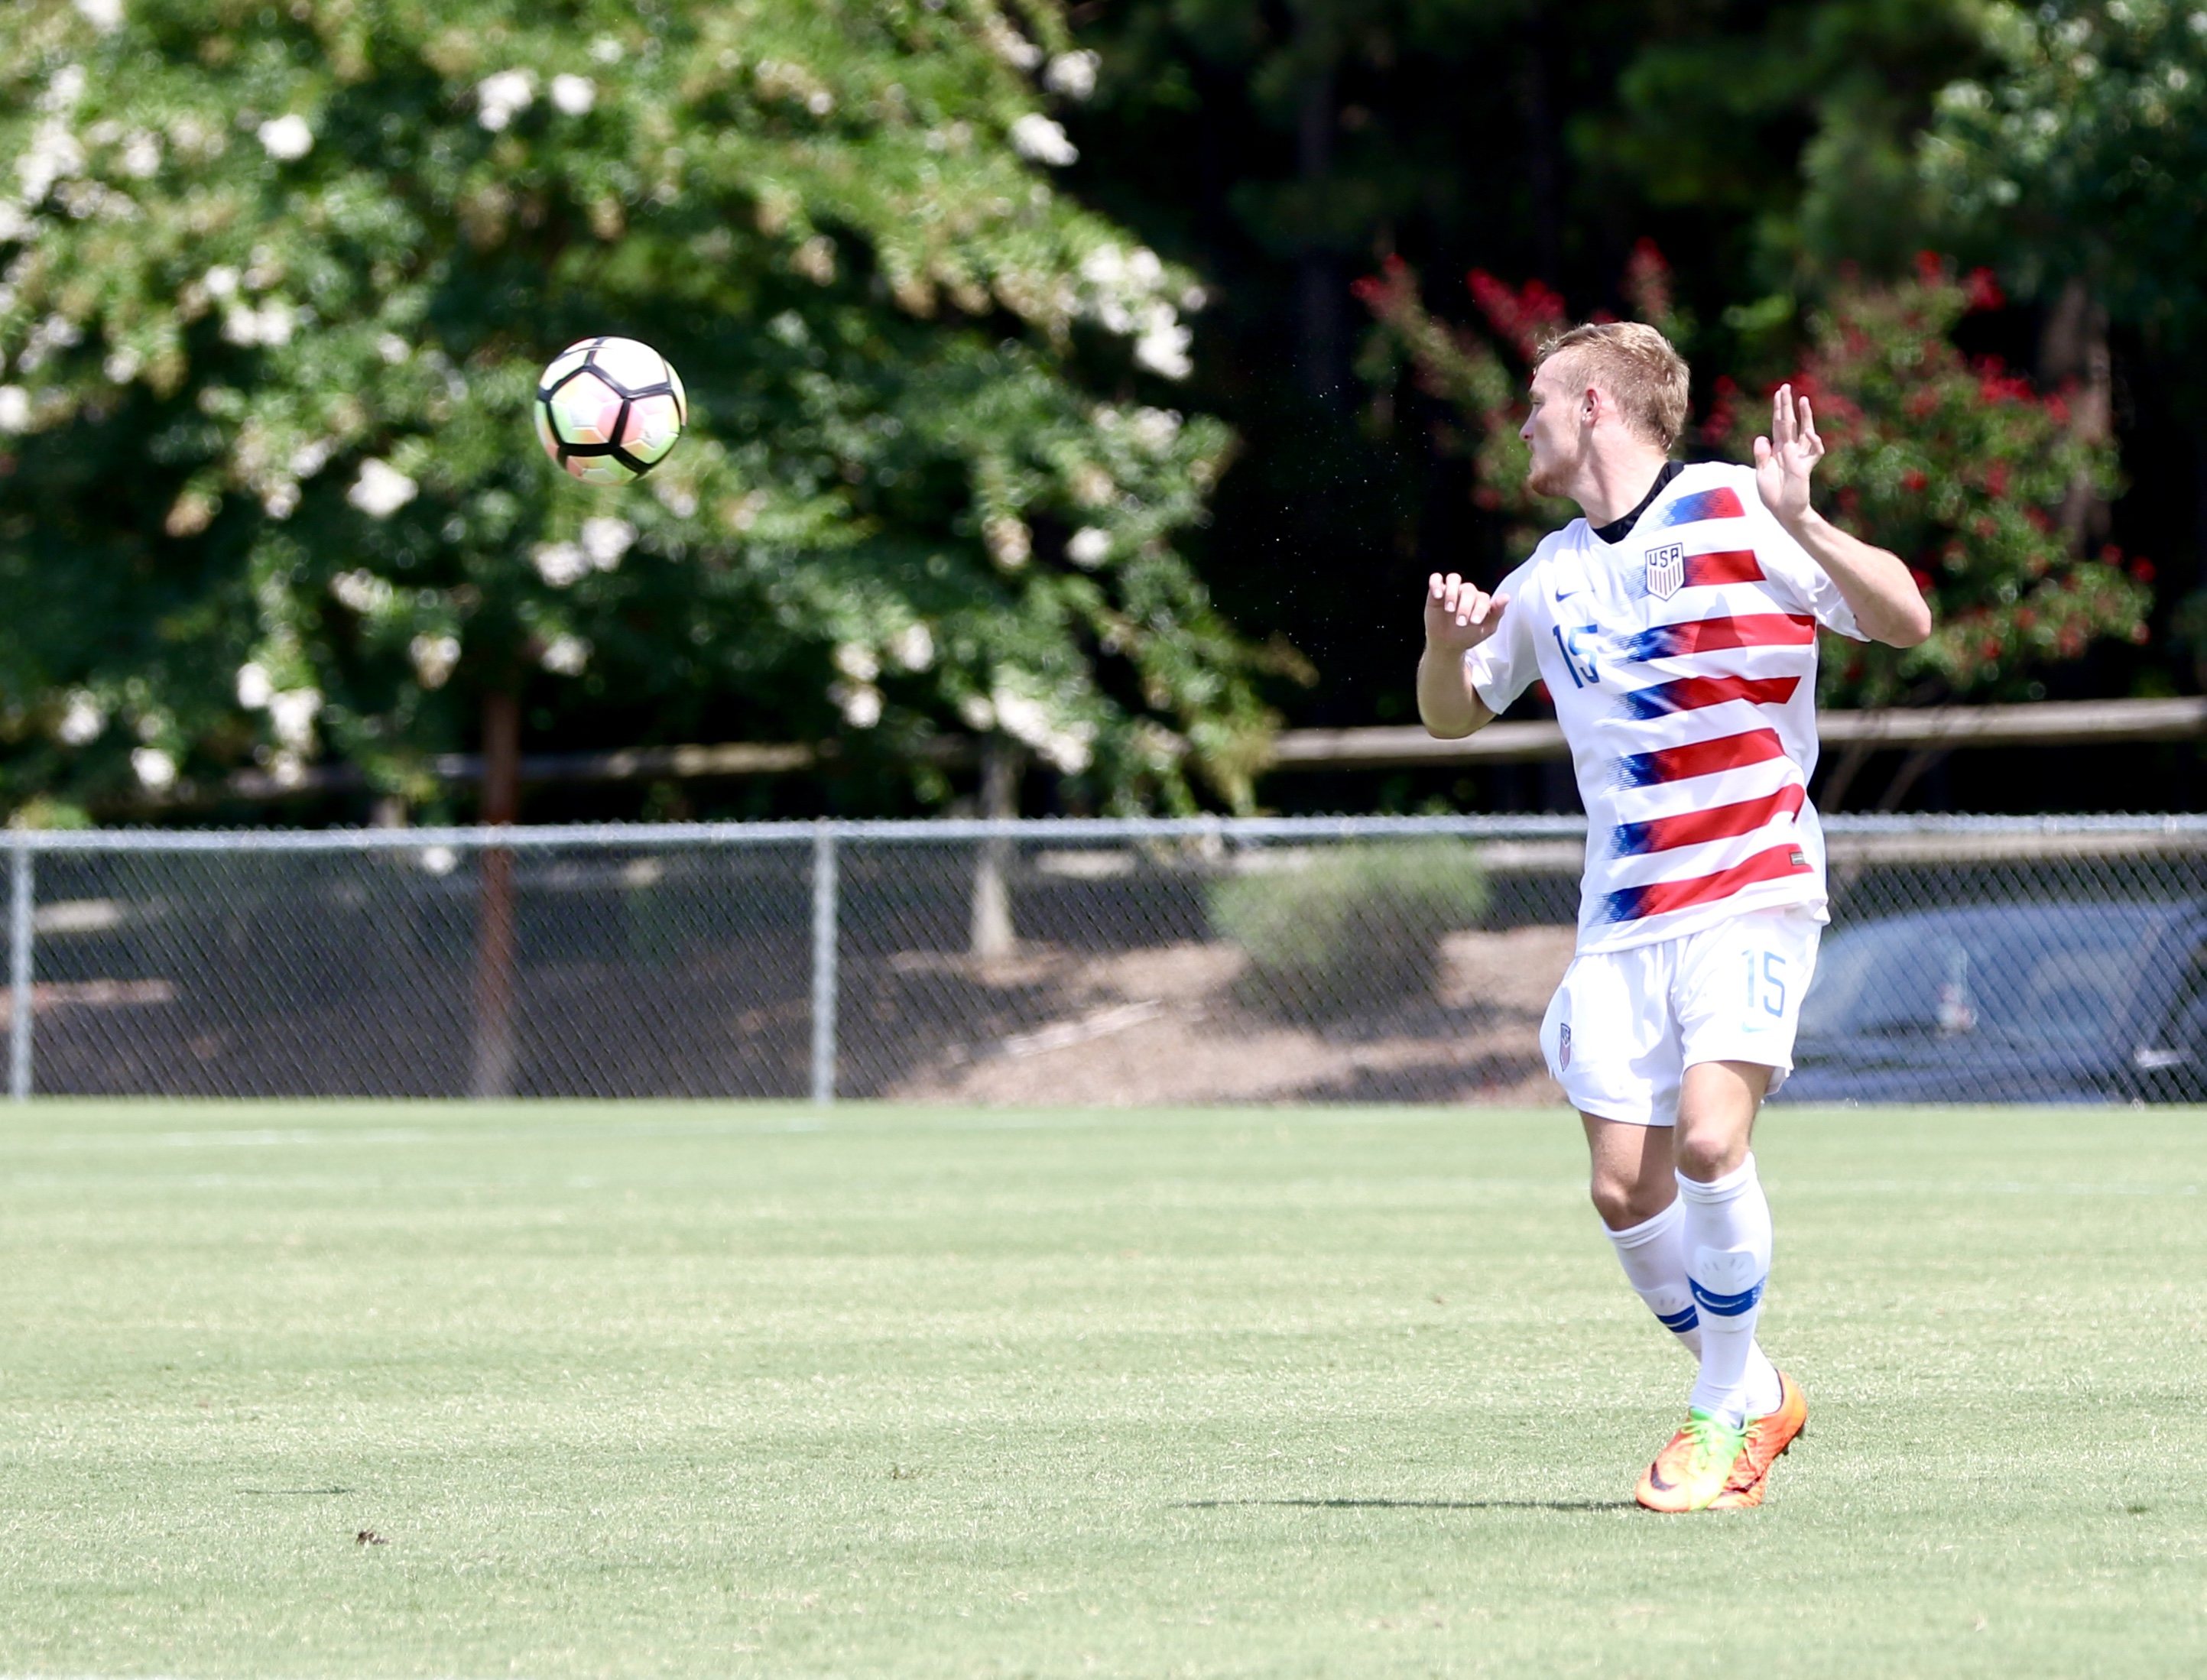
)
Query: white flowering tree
[{"x": 278, "y": 283}]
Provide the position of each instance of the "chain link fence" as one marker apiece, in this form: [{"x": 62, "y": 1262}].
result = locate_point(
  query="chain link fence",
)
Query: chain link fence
[{"x": 1369, "y": 959}]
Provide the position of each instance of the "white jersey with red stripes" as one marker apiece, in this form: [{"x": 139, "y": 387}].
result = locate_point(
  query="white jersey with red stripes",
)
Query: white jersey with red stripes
[{"x": 1682, "y": 661}]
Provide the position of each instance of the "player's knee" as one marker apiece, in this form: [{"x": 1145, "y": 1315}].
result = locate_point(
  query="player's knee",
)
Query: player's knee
[
  {"x": 1624, "y": 1202},
  {"x": 1706, "y": 1153}
]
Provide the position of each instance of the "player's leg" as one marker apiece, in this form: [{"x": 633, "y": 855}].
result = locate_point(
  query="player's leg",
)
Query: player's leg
[
  {"x": 1635, "y": 1179},
  {"x": 1725, "y": 1232},
  {"x": 1607, "y": 1045},
  {"x": 1635, "y": 1192},
  {"x": 1728, "y": 1239},
  {"x": 1739, "y": 992},
  {"x": 1613, "y": 1044}
]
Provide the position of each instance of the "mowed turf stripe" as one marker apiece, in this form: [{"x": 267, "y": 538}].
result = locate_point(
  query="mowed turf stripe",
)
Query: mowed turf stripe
[{"x": 686, "y": 1388}]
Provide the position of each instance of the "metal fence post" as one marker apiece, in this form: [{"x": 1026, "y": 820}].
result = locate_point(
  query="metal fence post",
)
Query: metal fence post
[
  {"x": 20, "y": 917},
  {"x": 824, "y": 979},
  {"x": 991, "y": 933}
]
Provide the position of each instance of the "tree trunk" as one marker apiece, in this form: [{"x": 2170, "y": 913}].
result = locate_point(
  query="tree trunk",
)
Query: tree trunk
[
  {"x": 495, "y": 1060},
  {"x": 1843, "y": 775},
  {"x": 992, "y": 934},
  {"x": 1320, "y": 291},
  {"x": 1543, "y": 151},
  {"x": 2072, "y": 353}
]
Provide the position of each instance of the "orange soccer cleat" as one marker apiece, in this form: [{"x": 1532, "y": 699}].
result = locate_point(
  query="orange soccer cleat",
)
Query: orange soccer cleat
[
  {"x": 1768, "y": 1437},
  {"x": 1694, "y": 1467}
]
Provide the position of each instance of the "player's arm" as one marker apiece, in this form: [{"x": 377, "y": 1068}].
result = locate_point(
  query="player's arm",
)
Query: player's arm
[
  {"x": 1875, "y": 582},
  {"x": 1459, "y": 616}
]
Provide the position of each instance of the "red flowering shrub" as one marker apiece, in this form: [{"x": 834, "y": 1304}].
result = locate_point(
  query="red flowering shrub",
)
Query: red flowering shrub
[
  {"x": 1954, "y": 465},
  {"x": 1465, "y": 369}
]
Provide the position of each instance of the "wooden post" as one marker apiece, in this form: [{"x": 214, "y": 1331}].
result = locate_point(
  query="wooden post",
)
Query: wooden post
[{"x": 496, "y": 1059}]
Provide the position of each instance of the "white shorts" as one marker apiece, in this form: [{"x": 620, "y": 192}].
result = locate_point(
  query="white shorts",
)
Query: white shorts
[{"x": 1625, "y": 1025}]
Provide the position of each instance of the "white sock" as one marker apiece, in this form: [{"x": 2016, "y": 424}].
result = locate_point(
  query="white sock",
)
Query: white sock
[
  {"x": 1654, "y": 1262},
  {"x": 1654, "y": 1255},
  {"x": 1726, "y": 1241}
]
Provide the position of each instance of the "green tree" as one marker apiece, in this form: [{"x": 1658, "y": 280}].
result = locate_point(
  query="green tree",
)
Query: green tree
[
  {"x": 2076, "y": 162},
  {"x": 2082, "y": 155},
  {"x": 1285, "y": 146},
  {"x": 1796, "y": 123},
  {"x": 277, "y": 286}
]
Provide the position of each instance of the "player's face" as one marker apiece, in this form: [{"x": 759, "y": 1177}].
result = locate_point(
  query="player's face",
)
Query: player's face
[{"x": 1552, "y": 431}]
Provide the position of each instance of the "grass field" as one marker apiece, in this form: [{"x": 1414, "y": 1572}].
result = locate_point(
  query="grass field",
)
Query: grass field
[{"x": 703, "y": 1390}]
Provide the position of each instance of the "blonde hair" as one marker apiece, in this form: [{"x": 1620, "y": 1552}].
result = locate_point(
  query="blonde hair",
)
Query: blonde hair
[{"x": 1637, "y": 365}]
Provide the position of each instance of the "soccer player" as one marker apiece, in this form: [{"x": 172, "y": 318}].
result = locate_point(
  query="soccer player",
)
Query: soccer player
[{"x": 1675, "y": 626}]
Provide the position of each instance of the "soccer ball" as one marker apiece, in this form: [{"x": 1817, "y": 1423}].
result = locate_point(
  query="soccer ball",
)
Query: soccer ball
[{"x": 609, "y": 409}]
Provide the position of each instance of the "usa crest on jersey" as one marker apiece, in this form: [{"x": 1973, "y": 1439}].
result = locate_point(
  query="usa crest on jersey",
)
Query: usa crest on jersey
[{"x": 1666, "y": 571}]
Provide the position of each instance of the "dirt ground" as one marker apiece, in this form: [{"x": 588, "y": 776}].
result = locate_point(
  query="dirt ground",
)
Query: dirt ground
[
  {"x": 1162, "y": 1025},
  {"x": 1155, "y": 1023}
]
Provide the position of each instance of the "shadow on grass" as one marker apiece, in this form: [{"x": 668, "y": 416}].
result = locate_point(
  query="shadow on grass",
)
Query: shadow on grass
[
  {"x": 1414, "y": 1504},
  {"x": 294, "y": 1492}
]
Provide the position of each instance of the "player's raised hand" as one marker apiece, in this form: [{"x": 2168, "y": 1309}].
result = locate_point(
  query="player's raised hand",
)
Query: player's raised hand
[
  {"x": 1784, "y": 460},
  {"x": 1459, "y": 614}
]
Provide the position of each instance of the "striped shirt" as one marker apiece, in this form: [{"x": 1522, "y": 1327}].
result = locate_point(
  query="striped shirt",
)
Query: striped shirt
[{"x": 1682, "y": 661}]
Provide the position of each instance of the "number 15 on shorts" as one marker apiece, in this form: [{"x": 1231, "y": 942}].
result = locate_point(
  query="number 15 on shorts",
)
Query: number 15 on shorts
[{"x": 1766, "y": 985}]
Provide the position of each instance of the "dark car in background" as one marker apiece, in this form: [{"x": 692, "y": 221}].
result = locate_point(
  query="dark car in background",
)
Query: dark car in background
[{"x": 2009, "y": 1003}]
